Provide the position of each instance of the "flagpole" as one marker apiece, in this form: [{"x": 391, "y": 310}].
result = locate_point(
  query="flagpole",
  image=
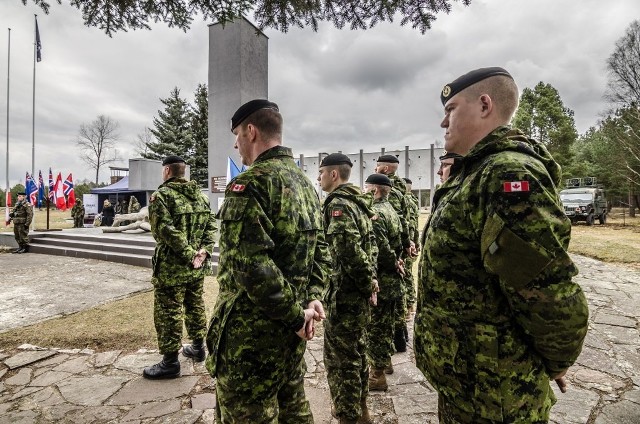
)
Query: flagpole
[
  {"x": 33, "y": 115},
  {"x": 7, "y": 169}
]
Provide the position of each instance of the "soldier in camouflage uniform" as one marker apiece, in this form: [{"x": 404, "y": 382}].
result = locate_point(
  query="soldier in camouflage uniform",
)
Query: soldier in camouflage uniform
[
  {"x": 272, "y": 270},
  {"x": 184, "y": 229},
  {"x": 498, "y": 313},
  {"x": 21, "y": 215},
  {"x": 134, "y": 205},
  {"x": 77, "y": 213},
  {"x": 390, "y": 269},
  {"x": 414, "y": 233},
  {"x": 447, "y": 162},
  {"x": 388, "y": 165},
  {"x": 347, "y": 222}
]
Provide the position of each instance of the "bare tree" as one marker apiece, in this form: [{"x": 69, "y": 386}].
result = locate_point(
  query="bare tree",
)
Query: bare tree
[
  {"x": 97, "y": 141},
  {"x": 624, "y": 69},
  {"x": 143, "y": 140}
]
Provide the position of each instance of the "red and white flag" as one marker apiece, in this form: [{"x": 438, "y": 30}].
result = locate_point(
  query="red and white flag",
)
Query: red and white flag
[
  {"x": 69, "y": 191},
  {"x": 58, "y": 194},
  {"x": 512, "y": 186}
]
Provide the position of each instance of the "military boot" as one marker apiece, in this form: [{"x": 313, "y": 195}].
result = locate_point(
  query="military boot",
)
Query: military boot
[
  {"x": 365, "y": 418},
  {"x": 169, "y": 367},
  {"x": 378, "y": 380},
  {"x": 195, "y": 351},
  {"x": 343, "y": 420},
  {"x": 399, "y": 340},
  {"x": 389, "y": 369}
]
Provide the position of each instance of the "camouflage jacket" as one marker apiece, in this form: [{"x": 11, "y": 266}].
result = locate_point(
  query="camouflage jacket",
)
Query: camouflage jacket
[
  {"x": 77, "y": 211},
  {"x": 22, "y": 213},
  {"x": 134, "y": 206},
  {"x": 498, "y": 313},
  {"x": 386, "y": 227},
  {"x": 181, "y": 223},
  {"x": 347, "y": 222},
  {"x": 273, "y": 257},
  {"x": 398, "y": 199},
  {"x": 414, "y": 215}
]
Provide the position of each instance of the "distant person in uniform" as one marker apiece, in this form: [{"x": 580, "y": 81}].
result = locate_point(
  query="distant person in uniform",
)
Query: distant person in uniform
[
  {"x": 77, "y": 213},
  {"x": 498, "y": 313},
  {"x": 134, "y": 205},
  {"x": 21, "y": 215},
  {"x": 272, "y": 270},
  {"x": 447, "y": 162},
  {"x": 108, "y": 213},
  {"x": 184, "y": 229},
  {"x": 347, "y": 216}
]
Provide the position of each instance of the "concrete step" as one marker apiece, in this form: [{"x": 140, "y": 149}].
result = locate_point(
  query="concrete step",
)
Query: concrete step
[
  {"x": 98, "y": 244},
  {"x": 143, "y": 260},
  {"x": 137, "y": 239}
]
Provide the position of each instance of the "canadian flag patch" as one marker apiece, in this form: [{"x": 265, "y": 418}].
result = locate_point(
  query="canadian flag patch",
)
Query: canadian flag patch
[
  {"x": 336, "y": 212},
  {"x": 238, "y": 188},
  {"x": 512, "y": 186}
]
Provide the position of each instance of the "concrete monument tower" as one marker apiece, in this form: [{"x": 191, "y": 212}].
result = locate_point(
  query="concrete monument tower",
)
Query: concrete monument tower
[{"x": 238, "y": 72}]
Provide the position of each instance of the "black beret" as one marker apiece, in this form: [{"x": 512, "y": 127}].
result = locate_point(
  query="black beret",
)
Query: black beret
[
  {"x": 388, "y": 159},
  {"x": 336, "y": 159},
  {"x": 469, "y": 79},
  {"x": 408, "y": 181},
  {"x": 171, "y": 160},
  {"x": 450, "y": 155},
  {"x": 379, "y": 179},
  {"x": 22, "y": 193},
  {"x": 248, "y": 108}
]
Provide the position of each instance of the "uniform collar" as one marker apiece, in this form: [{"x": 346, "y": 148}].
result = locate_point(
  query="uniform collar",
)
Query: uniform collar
[{"x": 274, "y": 152}]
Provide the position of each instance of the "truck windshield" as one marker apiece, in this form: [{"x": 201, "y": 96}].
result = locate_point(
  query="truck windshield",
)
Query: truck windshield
[{"x": 576, "y": 197}]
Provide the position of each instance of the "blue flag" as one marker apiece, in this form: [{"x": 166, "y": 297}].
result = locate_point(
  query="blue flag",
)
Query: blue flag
[
  {"x": 38, "y": 44},
  {"x": 40, "y": 190}
]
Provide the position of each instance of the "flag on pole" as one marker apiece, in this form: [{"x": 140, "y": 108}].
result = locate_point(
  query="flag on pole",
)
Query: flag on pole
[
  {"x": 38, "y": 43},
  {"x": 69, "y": 191},
  {"x": 40, "y": 189},
  {"x": 233, "y": 170},
  {"x": 32, "y": 190},
  {"x": 6, "y": 209},
  {"x": 52, "y": 191},
  {"x": 61, "y": 203}
]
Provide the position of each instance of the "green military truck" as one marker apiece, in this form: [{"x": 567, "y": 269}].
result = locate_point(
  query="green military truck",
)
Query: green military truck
[{"x": 584, "y": 200}]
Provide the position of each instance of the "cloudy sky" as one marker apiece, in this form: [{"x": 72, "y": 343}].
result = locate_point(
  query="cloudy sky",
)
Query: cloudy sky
[{"x": 338, "y": 89}]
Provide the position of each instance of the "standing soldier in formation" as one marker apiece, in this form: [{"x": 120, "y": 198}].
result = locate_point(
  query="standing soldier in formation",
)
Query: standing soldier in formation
[
  {"x": 184, "y": 229},
  {"x": 347, "y": 222},
  {"x": 21, "y": 215},
  {"x": 388, "y": 165},
  {"x": 414, "y": 233},
  {"x": 77, "y": 213},
  {"x": 272, "y": 271},
  {"x": 498, "y": 313},
  {"x": 134, "y": 205},
  {"x": 448, "y": 161},
  {"x": 386, "y": 227}
]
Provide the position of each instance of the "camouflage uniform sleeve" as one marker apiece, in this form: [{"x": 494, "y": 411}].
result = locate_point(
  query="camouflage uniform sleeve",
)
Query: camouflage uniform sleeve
[
  {"x": 164, "y": 230},
  {"x": 209, "y": 235},
  {"x": 29, "y": 210},
  {"x": 524, "y": 241},
  {"x": 320, "y": 271},
  {"x": 386, "y": 259},
  {"x": 346, "y": 244},
  {"x": 254, "y": 269}
]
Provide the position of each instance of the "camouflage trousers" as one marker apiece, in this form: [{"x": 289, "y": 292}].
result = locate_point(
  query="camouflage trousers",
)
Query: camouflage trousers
[
  {"x": 21, "y": 234},
  {"x": 172, "y": 304},
  {"x": 345, "y": 356},
  {"x": 260, "y": 371},
  {"x": 77, "y": 221},
  {"x": 380, "y": 346},
  {"x": 409, "y": 282},
  {"x": 450, "y": 413}
]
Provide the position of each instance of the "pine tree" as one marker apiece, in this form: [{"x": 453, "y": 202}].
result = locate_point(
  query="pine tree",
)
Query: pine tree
[
  {"x": 200, "y": 132},
  {"x": 172, "y": 129}
]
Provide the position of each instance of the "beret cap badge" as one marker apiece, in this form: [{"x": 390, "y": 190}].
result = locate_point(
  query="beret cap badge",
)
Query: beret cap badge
[{"x": 446, "y": 91}]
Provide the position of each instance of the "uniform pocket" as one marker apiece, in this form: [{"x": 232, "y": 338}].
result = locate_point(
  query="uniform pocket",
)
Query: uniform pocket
[{"x": 231, "y": 214}]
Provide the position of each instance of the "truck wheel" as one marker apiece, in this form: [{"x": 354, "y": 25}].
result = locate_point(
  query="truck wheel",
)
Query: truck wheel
[
  {"x": 590, "y": 219},
  {"x": 602, "y": 219}
]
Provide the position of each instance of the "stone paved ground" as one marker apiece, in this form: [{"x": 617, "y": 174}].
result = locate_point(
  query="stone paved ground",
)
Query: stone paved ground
[{"x": 57, "y": 385}]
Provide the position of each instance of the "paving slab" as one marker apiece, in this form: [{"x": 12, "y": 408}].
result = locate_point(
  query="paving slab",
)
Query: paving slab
[
  {"x": 104, "y": 359},
  {"x": 25, "y": 358},
  {"x": 153, "y": 410},
  {"x": 203, "y": 401},
  {"x": 22, "y": 378},
  {"x": 141, "y": 390},
  {"x": 90, "y": 391}
]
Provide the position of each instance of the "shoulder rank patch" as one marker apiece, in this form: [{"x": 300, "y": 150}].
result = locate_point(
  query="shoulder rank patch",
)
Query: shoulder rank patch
[
  {"x": 238, "y": 188},
  {"x": 515, "y": 186},
  {"x": 336, "y": 213}
]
